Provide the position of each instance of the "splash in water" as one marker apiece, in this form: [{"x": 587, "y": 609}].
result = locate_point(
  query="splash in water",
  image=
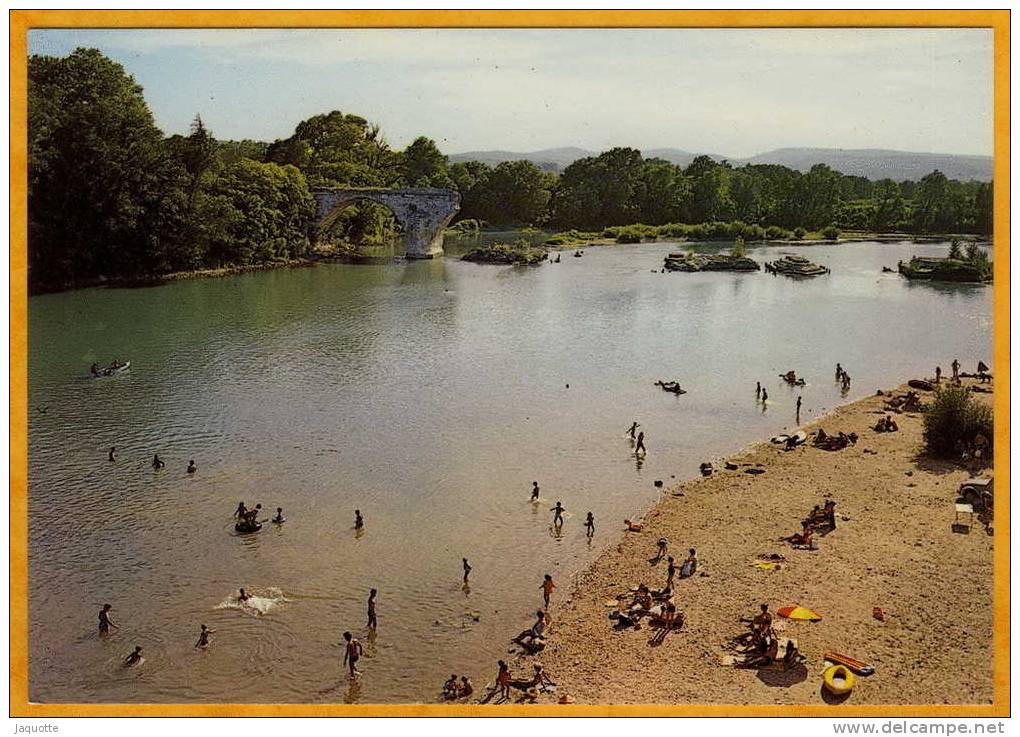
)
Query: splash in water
[{"x": 259, "y": 602}]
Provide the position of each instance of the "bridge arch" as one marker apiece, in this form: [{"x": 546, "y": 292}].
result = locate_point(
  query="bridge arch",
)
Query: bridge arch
[{"x": 422, "y": 212}]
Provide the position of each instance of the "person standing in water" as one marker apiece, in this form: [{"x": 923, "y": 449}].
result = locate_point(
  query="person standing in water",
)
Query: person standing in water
[
  {"x": 467, "y": 569},
  {"x": 633, "y": 429},
  {"x": 557, "y": 511},
  {"x": 156, "y": 462},
  {"x": 547, "y": 588},
  {"x": 111, "y": 456},
  {"x": 799, "y": 400},
  {"x": 105, "y": 623},
  {"x": 373, "y": 623},
  {"x": 241, "y": 510},
  {"x": 839, "y": 372},
  {"x": 279, "y": 518},
  {"x": 764, "y": 396},
  {"x": 640, "y": 445},
  {"x": 359, "y": 521},
  {"x": 589, "y": 523},
  {"x": 203, "y": 638},
  {"x": 757, "y": 390},
  {"x": 534, "y": 491},
  {"x": 352, "y": 652},
  {"x": 192, "y": 467}
]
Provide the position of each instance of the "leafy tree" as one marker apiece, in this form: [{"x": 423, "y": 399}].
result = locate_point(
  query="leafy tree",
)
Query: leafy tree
[
  {"x": 96, "y": 171},
  {"x": 954, "y": 420},
  {"x": 513, "y": 193},
  {"x": 423, "y": 165}
]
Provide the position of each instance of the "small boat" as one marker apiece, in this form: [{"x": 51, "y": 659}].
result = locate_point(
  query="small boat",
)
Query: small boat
[
  {"x": 112, "y": 371},
  {"x": 247, "y": 529},
  {"x": 795, "y": 266}
]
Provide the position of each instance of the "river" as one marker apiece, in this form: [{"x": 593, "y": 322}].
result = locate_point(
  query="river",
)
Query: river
[{"x": 429, "y": 395}]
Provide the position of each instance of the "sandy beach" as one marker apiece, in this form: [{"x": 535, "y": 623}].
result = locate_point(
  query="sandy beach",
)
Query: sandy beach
[{"x": 894, "y": 548}]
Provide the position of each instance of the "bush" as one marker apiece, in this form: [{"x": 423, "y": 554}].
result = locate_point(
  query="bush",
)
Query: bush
[
  {"x": 953, "y": 420},
  {"x": 470, "y": 225},
  {"x": 739, "y": 249},
  {"x": 830, "y": 232},
  {"x": 775, "y": 233},
  {"x": 799, "y": 233}
]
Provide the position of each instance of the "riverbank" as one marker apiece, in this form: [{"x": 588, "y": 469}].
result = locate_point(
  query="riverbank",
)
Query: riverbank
[{"x": 893, "y": 548}]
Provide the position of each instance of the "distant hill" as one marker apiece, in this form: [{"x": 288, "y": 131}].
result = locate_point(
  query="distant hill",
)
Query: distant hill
[
  {"x": 870, "y": 163},
  {"x": 875, "y": 163}
]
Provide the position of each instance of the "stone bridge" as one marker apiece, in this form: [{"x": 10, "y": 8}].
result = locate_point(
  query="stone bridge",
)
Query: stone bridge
[{"x": 422, "y": 212}]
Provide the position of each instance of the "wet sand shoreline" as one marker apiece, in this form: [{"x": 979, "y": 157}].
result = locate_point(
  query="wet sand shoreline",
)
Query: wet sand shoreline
[{"x": 893, "y": 547}]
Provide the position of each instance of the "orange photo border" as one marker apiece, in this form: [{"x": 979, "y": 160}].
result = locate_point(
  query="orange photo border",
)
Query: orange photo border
[{"x": 21, "y": 21}]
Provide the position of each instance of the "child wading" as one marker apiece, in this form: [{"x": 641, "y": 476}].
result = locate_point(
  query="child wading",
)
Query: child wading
[{"x": 352, "y": 652}]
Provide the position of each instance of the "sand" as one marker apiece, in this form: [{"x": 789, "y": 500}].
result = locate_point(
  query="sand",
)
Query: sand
[{"x": 894, "y": 548}]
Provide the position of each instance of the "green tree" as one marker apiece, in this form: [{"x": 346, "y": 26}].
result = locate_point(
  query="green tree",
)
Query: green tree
[
  {"x": 422, "y": 164},
  {"x": 97, "y": 172},
  {"x": 513, "y": 193}
]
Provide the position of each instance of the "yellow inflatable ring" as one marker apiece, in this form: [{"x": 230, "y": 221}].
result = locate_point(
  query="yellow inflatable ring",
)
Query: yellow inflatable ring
[{"x": 845, "y": 683}]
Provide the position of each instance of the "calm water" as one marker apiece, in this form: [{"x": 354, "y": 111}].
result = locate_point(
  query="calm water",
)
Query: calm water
[{"x": 429, "y": 395}]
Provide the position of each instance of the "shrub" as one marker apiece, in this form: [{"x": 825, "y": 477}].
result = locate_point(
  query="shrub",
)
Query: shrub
[
  {"x": 954, "y": 250},
  {"x": 775, "y": 233},
  {"x": 799, "y": 233},
  {"x": 830, "y": 232},
  {"x": 739, "y": 249},
  {"x": 953, "y": 420}
]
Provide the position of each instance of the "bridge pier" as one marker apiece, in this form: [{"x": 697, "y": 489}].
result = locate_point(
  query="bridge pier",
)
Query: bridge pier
[{"x": 423, "y": 212}]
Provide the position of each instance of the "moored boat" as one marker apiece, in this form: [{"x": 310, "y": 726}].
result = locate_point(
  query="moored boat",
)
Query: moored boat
[{"x": 111, "y": 370}]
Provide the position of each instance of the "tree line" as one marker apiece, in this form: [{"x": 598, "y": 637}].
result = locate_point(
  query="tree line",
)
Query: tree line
[{"x": 111, "y": 197}]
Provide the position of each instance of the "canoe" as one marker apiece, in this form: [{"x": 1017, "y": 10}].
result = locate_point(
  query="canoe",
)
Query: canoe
[
  {"x": 838, "y": 680},
  {"x": 858, "y": 667},
  {"x": 103, "y": 373}
]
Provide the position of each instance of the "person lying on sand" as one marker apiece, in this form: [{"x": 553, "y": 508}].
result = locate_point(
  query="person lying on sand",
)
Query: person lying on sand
[
  {"x": 802, "y": 538},
  {"x": 633, "y": 526}
]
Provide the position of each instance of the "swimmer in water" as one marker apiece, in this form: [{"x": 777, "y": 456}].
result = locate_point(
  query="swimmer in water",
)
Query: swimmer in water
[
  {"x": 534, "y": 491},
  {"x": 192, "y": 467},
  {"x": 352, "y": 652},
  {"x": 279, "y": 518},
  {"x": 156, "y": 463},
  {"x": 111, "y": 456},
  {"x": 467, "y": 569},
  {"x": 105, "y": 623},
  {"x": 557, "y": 511},
  {"x": 134, "y": 658},
  {"x": 242, "y": 596},
  {"x": 589, "y": 523},
  {"x": 359, "y": 521},
  {"x": 203, "y": 638}
]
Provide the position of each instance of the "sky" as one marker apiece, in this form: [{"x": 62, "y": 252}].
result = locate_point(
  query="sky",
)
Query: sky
[{"x": 724, "y": 91}]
